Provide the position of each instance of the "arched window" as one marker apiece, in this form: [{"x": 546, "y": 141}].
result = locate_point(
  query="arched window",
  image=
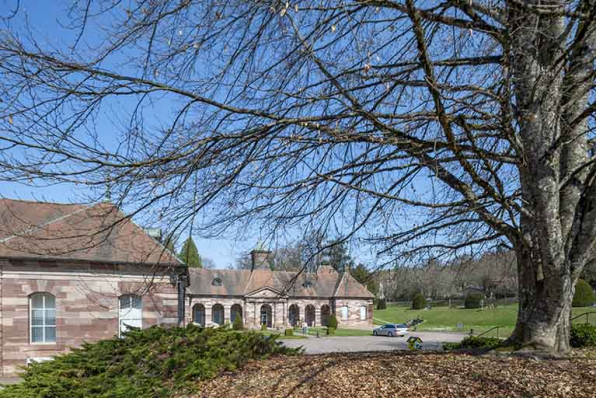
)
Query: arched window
[
  {"x": 43, "y": 318},
  {"x": 131, "y": 312},
  {"x": 294, "y": 315},
  {"x": 217, "y": 314},
  {"x": 325, "y": 313},
  {"x": 344, "y": 313},
  {"x": 363, "y": 313},
  {"x": 266, "y": 315},
  {"x": 216, "y": 282},
  {"x": 199, "y": 314}
]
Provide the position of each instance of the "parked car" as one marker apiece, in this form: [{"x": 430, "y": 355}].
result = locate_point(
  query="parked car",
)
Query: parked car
[{"x": 391, "y": 330}]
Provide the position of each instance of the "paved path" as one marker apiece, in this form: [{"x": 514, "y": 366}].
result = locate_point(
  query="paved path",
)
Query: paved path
[{"x": 323, "y": 345}]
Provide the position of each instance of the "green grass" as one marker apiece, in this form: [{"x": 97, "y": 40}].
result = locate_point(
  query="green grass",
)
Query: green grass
[
  {"x": 339, "y": 332},
  {"x": 446, "y": 319}
]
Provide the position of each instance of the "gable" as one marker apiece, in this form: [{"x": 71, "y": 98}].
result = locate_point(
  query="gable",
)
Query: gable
[{"x": 265, "y": 292}]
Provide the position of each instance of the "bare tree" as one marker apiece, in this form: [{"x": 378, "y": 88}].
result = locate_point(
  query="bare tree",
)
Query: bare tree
[{"x": 429, "y": 129}]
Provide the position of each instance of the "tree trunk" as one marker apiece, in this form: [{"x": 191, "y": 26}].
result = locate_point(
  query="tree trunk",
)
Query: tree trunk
[{"x": 544, "y": 314}]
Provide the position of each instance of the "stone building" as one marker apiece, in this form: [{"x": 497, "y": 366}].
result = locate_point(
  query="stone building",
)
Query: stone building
[
  {"x": 277, "y": 299},
  {"x": 72, "y": 273}
]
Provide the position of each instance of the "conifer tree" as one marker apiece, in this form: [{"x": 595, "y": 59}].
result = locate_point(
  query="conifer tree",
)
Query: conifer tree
[{"x": 190, "y": 255}]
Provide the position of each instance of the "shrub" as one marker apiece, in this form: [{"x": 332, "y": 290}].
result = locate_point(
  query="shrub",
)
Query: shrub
[
  {"x": 473, "y": 300},
  {"x": 381, "y": 304},
  {"x": 473, "y": 342},
  {"x": 238, "y": 324},
  {"x": 584, "y": 295},
  {"x": 418, "y": 302},
  {"x": 154, "y": 362},
  {"x": 332, "y": 321},
  {"x": 583, "y": 335},
  {"x": 330, "y": 330},
  {"x": 264, "y": 326},
  {"x": 289, "y": 332}
]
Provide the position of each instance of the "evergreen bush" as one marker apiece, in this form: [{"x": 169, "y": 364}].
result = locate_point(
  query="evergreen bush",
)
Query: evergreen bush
[
  {"x": 473, "y": 300},
  {"x": 584, "y": 295},
  {"x": 289, "y": 332},
  {"x": 330, "y": 330},
  {"x": 473, "y": 342},
  {"x": 332, "y": 321},
  {"x": 264, "y": 326},
  {"x": 583, "y": 335},
  {"x": 154, "y": 362},
  {"x": 238, "y": 324},
  {"x": 418, "y": 302},
  {"x": 381, "y": 304}
]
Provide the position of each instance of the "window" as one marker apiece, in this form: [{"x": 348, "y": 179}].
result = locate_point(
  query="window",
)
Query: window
[
  {"x": 131, "y": 312},
  {"x": 344, "y": 312},
  {"x": 362, "y": 313},
  {"x": 216, "y": 282},
  {"x": 43, "y": 318},
  {"x": 307, "y": 284},
  {"x": 199, "y": 314}
]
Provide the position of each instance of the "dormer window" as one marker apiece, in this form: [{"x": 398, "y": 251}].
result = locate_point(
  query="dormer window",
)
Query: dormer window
[
  {"x": 216, "y": 282},
  {"x": 307, "y": 284}
]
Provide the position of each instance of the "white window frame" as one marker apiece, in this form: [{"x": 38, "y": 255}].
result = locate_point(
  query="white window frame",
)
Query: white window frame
[
  {"x": 132, "y": 315},
  {"x": 363, "y": 313},
  {"x": 44, "y": 326},
  {"x": 345, "y": 313}
]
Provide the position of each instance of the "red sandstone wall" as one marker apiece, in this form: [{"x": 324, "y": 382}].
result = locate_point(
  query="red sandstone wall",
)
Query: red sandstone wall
[{"x": 86, "y": 305}]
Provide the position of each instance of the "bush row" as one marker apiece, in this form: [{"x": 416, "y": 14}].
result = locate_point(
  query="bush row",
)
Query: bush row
[{"x": 153, "y": 362}]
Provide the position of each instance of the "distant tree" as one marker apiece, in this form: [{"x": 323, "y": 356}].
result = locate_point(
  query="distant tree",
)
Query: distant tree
[
  {"x": 418, "y": 302},
  {"x": 339, "y": 258},
  {"x": 190, "y": 255},
  {"x": 364, "y": 276}
]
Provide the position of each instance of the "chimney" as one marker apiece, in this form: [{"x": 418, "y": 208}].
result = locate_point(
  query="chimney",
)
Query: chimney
[
  {"x": 325, "y": 268},
  {"x": 260, "y": 257}
]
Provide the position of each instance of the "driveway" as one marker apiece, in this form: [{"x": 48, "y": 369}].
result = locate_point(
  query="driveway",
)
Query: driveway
[{"x": 324, "y": 345}]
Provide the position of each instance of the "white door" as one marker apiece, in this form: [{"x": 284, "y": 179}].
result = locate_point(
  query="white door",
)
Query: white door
[
  {"x": 131, "y": 312},
  {"x": 362, "y": 313},
  {"x": 344, "y": 312}
]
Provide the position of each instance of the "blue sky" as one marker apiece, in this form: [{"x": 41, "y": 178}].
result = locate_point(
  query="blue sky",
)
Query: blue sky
[{"x": 48, "y": 20}]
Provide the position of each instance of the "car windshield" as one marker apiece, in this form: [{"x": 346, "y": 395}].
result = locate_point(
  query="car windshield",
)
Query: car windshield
[{"x": 389, "y": 326}]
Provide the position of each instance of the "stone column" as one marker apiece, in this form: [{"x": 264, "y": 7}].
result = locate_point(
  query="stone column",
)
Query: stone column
[
  {"x": 317, "y": 315},
  {"x": 208, "y": 313},
  {"x": 227, "y": 313}
]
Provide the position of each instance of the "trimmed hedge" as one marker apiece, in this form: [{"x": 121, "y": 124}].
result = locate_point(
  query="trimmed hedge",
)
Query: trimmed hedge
[
  {"x": 289, "y": 332},
  {"x": 238, "y": 324},
  {"x": 583, "y": 335},
  {"x": 473, "y": 300},
  {"x": 332, "y": 321},
  {"x": 473, "y": 342},
  {"x": 264, "y": 326},
  {"x": 154, "y": 362},
  {"x": 330, "y": 330},
  {"x": 418, "y": 302},
  {"x": 381, "y": 304},
  {"x": 584, "y": 295}
]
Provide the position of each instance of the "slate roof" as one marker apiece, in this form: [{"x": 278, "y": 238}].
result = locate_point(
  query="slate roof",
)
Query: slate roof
[
  {"x": 325, "y": 283},
  {"x": 98, "y": 232}
]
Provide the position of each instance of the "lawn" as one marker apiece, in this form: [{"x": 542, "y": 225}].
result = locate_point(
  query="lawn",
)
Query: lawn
[
  {"x": 281, "y": 336},
  {"x": 447, "y": 319}
]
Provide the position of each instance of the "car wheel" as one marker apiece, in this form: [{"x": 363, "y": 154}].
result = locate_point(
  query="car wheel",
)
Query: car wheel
[
  {"x": 390, "y": 334},
  {"x": 374, "y": 332}
]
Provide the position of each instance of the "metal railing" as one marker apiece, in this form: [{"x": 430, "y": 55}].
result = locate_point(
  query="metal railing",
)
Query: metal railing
[
  {"x": 489, "y": 330},
  {"x": 586, "y": 314}
]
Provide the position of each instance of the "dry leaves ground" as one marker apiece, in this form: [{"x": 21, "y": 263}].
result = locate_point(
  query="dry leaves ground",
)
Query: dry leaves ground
[{"x": 402, "y": 374}]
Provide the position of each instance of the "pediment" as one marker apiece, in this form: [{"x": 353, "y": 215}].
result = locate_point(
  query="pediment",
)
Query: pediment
[{"x": 265, "y": 292}]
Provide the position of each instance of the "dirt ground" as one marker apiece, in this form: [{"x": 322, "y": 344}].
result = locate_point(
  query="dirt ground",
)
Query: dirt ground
[{"x": 402, "y": 374}]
